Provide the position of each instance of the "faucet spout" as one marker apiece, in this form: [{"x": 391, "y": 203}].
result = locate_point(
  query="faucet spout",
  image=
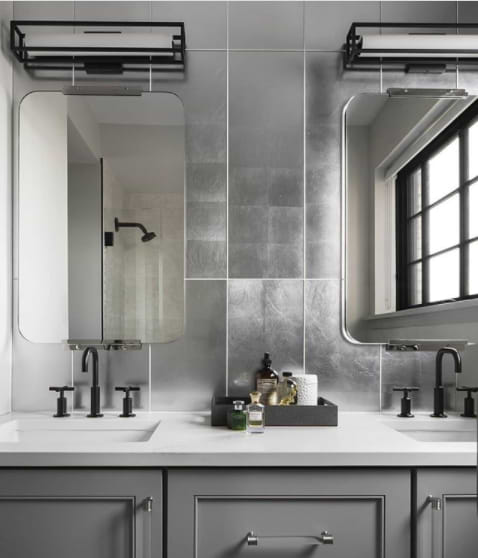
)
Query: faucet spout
[
  {"x": 95, "y": 385},
  {"x": 439, "y": 391}
]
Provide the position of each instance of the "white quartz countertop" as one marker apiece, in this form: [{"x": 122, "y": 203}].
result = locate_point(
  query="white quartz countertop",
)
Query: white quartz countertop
[{"x": 188, "y": 440}]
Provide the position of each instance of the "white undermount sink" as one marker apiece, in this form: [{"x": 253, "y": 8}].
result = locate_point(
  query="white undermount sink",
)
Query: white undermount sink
[
  {"x": 78, "y": 430},
  {"x": 437, "y": 430}
]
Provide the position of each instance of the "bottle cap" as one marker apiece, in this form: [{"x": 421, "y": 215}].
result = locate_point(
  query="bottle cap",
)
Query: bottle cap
[
  {"x": 238, "y": 405},
  {"x": 267, "y": 359},
  {"x": 255, "y": 396}
]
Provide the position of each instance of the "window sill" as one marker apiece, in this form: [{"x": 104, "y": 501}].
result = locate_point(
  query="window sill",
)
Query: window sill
[{"x": 427, "y": 310}]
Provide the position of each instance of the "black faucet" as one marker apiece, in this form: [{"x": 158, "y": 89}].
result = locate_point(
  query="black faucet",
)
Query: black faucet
[
  {"x": 439, "y": 391},
  {"x": 95, "y": 388}
]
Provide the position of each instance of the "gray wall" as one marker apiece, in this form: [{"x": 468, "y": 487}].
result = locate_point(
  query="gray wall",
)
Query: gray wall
[
  {"x": 263, "y": 100},
  {"x": 6, "y": 12}
]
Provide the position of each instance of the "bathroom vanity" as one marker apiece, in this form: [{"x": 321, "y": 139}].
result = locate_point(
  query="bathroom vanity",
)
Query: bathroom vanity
[{"x": 169, "y": 485}]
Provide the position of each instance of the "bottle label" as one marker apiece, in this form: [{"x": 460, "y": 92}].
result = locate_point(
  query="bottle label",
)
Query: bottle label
[
  {"x": 255, "y": 416},
  {"x": 266, "y": 386}
]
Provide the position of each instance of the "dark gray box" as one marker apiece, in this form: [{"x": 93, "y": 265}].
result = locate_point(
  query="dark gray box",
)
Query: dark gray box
[{"x": 325, "y": 413}]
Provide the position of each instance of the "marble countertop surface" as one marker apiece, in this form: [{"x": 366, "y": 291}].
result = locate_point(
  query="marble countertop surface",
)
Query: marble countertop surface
[{"x": 188, "y": 440}]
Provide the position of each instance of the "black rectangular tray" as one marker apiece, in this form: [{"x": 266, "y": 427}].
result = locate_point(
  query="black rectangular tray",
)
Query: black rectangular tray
[{"x": 325, "y": 413}]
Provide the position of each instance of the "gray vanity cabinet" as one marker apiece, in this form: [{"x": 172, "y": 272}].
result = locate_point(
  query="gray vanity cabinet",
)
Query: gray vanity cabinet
[
  {"x": 447, "y": 513},
  {"x": 288, "y": 513},
  {"x": 78, "y": 513}
]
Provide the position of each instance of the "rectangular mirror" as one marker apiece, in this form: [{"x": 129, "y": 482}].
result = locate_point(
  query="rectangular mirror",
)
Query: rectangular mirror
[
  {"x": 411, "y": 214},
  {"x": 101, "y": 193}
]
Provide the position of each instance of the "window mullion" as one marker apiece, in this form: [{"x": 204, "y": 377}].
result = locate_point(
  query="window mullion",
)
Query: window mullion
[
  {"x": 425, "y": 239},
  {"x": 464, "y": 225}
]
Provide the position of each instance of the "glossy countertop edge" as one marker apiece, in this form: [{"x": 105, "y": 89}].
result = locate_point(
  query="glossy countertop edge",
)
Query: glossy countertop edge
[{"x": 188, "y": 440}]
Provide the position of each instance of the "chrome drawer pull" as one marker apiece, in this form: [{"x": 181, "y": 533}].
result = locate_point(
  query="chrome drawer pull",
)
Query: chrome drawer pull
[{"x": 323, "y": 538}]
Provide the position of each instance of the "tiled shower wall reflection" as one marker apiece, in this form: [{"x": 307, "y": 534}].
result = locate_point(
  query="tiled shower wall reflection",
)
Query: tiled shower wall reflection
[{"x": 263, "y": 99}]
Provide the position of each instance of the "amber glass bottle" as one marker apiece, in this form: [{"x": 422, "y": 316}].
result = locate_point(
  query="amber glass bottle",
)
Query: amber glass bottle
[{"x": 267, "y": 381}]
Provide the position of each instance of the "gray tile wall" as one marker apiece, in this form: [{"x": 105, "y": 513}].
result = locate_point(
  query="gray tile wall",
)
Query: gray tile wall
[{"x": 263, "y": 99}]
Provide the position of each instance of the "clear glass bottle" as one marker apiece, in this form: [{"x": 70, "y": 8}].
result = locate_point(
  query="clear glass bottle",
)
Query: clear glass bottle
[
  {"x": 255, "y": 414},
  {"x": 287, "y": 389},
  {"x": 237, "y": 417},
  {"x": 266, "y": 382}
]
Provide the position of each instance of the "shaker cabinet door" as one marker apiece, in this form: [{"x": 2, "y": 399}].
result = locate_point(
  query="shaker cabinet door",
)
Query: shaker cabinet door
[
  {"x": 283, "y": 514},
  {"x": 79, "y": 513},
  {"x": 447, "y": 513}
]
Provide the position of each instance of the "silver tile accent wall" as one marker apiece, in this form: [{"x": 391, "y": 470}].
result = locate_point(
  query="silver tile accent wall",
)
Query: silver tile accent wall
[{"x": 263, "y": 99}]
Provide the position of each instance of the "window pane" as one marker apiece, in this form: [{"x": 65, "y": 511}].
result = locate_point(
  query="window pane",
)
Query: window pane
[
  {"x": 444, "y": 225},
  {"x": 444, "y": 282},
  {"x": 443, "y": 171},
  {"x": 473, "y": 210},
  {"x": 415, "y": 271},
  {"x": 473, "y": 151},
  {"x": 473, "y": 269},
  {"x": 415, "y": 238},
  {"x": 415, "y": 192}
]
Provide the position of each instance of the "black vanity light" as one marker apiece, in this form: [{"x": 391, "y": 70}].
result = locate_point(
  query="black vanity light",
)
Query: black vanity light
[
  {"x": 413, "y": 47},
  {"x": 96, "y": 47}
]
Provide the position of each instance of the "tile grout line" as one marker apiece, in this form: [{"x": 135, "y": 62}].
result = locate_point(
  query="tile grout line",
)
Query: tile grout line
[
  {"x": 304, "y": 183},
  {"x": 227, "y": 201}
]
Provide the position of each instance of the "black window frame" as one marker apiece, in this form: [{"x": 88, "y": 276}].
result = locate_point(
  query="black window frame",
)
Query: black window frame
[{"x": 457, "y": 129}]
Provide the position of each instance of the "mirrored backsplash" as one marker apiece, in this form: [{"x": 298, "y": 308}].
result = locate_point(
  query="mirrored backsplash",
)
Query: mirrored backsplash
[{"x": 262, "y": 217}]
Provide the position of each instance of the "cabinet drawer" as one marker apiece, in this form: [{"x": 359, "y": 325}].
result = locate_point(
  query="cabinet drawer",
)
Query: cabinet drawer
[
  {"x": 290, "y": 525},
  {"x": 285, "y": 513}
]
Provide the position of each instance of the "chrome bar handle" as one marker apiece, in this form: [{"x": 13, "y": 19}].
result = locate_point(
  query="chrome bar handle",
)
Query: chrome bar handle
[
  {"x": 324, "y": 538},
  {"x": 435, "y": 502}
]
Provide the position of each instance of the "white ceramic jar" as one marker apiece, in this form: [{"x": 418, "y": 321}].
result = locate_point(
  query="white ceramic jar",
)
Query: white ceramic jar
[{"x": 307, "y": 392}]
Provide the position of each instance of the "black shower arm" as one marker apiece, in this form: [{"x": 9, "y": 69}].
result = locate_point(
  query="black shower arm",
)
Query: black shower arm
[{"x": 119, "y": 224}]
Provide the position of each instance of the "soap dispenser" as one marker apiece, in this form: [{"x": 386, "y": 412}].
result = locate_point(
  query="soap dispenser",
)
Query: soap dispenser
[{"x": 267, "y": 381}]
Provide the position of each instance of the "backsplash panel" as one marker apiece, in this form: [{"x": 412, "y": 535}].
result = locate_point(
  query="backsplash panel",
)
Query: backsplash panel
[{"x": 249, "y": 286}]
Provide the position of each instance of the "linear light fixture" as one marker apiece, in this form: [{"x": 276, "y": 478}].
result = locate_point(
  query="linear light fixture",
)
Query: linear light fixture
[
  {"x": 413, "y": 47},
  {"x": 99, "y": 47}
]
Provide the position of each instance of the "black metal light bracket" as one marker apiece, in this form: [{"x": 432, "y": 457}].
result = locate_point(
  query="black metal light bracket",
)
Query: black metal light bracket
[
  {"x": 401, "y": 59},
  {"x": 117, "y": 60}
]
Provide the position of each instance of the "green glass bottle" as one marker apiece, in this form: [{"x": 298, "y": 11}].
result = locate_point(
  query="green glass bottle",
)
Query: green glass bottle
[{"x": 237, "y": 417}]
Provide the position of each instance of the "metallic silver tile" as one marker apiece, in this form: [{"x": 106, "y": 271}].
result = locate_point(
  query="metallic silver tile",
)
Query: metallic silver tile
[
  {"x": 286, "y": 187},
  {"x": 285, "y": 260},
  {"x": 113, "y": 11},
  {"x": 248, "y": 224},
  {"x": 266, "y": 164},
  {"x": 266, "y": 25},
  {"x": 248, "y": 260},
  {"x": 263, "y": 316},
  {"x": 206, "y": 221},
  {"x": 402, "y": 79},
  {"x": 43, "y": 10},
  {"x": 286, "y": 226},
  {"x": 206, "y": 259},
  {"x": 348, "y": 374},
  {"x": 205, "y": 22},
  {"x": 188, "y": 371},
  {"x": 418, "y": 12},
  {"x": 325, "y": 24},
  {"x": 248, "y": 186},
  {"x": 328, "y": 89},
  {"x": 116, "y": 368},
  {"x": 206, "y": 182}
]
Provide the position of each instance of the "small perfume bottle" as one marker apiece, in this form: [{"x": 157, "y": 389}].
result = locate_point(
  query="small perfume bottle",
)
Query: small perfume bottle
[
  {"x": 255, "y": 414},
  {"x": 237, "y": 417}
]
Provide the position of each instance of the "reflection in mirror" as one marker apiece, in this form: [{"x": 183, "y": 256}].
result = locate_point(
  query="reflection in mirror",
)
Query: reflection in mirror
[
  {"x": 101, "y": 217},
  {"x": 411, "y": 182}
]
